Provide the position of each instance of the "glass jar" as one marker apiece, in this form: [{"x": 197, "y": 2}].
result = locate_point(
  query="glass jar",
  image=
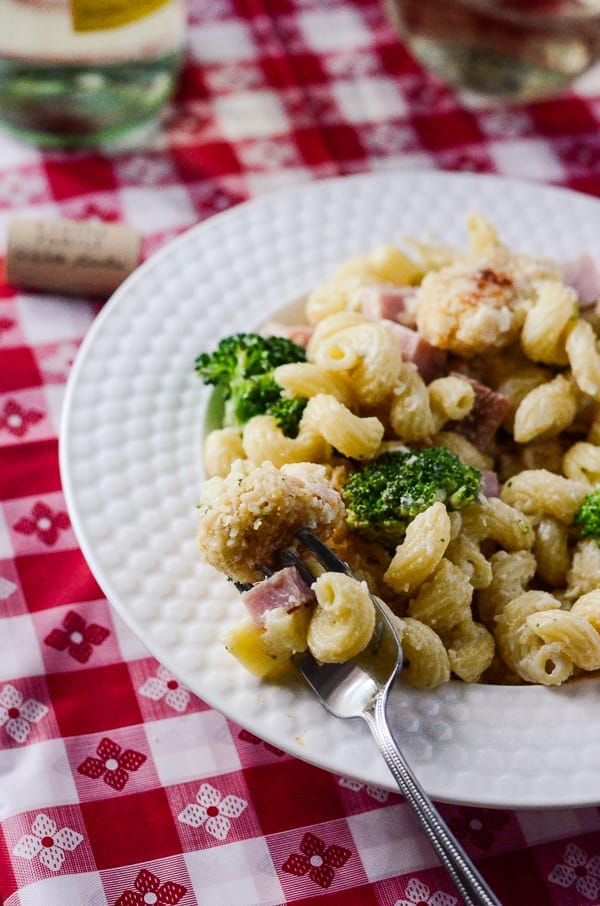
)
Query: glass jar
[
  {"x": 522, "y": 49},
  {"x": 75, "y": 73}
]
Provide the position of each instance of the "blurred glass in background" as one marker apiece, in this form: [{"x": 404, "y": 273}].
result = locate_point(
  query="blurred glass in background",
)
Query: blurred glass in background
[
  {"x": 522, "y": 49},
  {"x": 74, "y": 73}
]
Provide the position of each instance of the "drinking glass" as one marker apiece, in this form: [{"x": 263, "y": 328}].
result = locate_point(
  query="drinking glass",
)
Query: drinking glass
[{"x": 507, "y": 48}]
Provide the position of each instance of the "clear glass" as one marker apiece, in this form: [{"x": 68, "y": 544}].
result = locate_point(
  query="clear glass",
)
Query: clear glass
[
  {"x": 507, "y": 48},
  {"x": 60, "y": 88}
]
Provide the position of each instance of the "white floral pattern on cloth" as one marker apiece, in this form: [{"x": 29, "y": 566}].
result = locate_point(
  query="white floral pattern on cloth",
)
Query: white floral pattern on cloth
[
  {"x": 165, "y": 686},
  {"x": 202, "y": 13},
  {"x": 578, "y": 870},
  {"x": 263, "y": 154},
  {"x": 7, "y": 588},
  {"x": 234, "y": 76},
  {"x": 113, "y": 764},
  {"x": 145, "y": 170},
  {"x": 317, "y": 860},
  {"x": 213, "y": 811},
  {"x": 505, "y": 123},
  {"x": 17, "y": 715},
  {"x": 99, "y": 207},
  {"x": 20, "y": 187},
  {"x": 419, "y": 894},
  {"x": 55, "y": 362},
  {"x": 375, "y": 792},
  {"x": 348, "y": 65},
  {"x": 149, "y": 891},
  {"x": 47, "y": 842},
  {"x": 388, "y": 139}
]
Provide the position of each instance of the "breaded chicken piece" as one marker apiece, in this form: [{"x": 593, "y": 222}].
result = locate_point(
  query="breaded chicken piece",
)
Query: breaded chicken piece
[
  {"x": 247, "y": 516},
  {"x": 471, "y": 306}
]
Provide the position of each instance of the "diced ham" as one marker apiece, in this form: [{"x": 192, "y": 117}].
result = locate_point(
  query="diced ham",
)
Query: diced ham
[
  {"x": 386, "y": 302},
  {"x": 430, "y": 362},
  {"x": 486, "y": 416},
  {"x": 583, "y": 275},
  {"x": 490, "y": 486},
  {"x": 298, "y": 333},
  {"x": 285, "y": 588}
]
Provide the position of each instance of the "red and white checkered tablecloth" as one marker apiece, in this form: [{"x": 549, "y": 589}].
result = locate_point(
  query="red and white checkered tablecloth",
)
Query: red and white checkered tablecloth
[{"x": 117, "y": 785}]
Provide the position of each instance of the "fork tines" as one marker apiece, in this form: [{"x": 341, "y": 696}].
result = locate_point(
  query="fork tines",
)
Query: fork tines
[
  {"x": 290, "y": 557},
  {"x": 321, "y": 552}
]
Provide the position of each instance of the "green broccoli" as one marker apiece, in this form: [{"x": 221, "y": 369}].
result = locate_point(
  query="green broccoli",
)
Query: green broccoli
[
  {"x": 241, "y": 367},
  {"x": 588, "y": 516},
  {"x": 385, "y": 494}
]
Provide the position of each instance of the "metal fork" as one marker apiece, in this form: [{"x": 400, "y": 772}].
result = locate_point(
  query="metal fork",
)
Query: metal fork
[{"x": 360, "y": 688}]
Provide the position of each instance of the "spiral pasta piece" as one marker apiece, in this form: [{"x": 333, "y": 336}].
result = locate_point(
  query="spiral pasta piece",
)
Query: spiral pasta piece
[
  {"x": 444, "y": 603},
  {"x": 523, "y": 649},
  {"x": 511, "y": 575},
  {"x": 425, "y": 659},
  {"x": 582, "y": 577},
  {"x": 584, "y": 358},
  {"x": 540, "y": 492},
  {"x": 425, "y": 542},
  {"x": 581, "y": 462},
  {"x": 350, "y": 434},
  {"x": 451, "y": 399},
  {"x": 344, "y": 618},
  {"x": 551, "y": 549},
  {"x": 578, "y": 640},
  {"x": 546, "y": 410},
  {"x": 306, "y": 379},
  {"x": 410, "y": 412},
  {"x": 264, "y": 441},
  {"x": 221, "y": 449},
  {"x": 368, "y": 354},
  {"x": 546, "y": 325}
]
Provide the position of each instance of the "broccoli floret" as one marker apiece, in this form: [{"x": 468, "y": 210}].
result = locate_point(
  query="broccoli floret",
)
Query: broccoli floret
[
  {"x": 385, "y": 494},
  {"x": 587, "y": 516},
  {"x": 241, "y": 367},
  {"x": 287, "y": 412}
]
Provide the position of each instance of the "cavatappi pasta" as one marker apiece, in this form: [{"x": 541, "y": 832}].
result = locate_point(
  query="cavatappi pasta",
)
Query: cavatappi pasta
[{"x": 486, "y": 352}]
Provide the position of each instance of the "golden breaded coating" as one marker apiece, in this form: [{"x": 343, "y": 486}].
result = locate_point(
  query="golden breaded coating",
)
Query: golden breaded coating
[
  {"x": 472, "y": 306},
  {"x": 247, "y": 516}
]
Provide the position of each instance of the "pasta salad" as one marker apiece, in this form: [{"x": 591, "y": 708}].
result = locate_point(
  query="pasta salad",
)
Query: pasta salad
[{"x": 436, "y": 421}]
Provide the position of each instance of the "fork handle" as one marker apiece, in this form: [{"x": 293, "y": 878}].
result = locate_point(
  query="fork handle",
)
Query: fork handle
[{"x": 469, "y": 882}]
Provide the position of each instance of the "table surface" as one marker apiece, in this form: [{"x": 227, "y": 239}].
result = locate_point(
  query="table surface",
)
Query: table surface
[{"x": 273, "y": 94}]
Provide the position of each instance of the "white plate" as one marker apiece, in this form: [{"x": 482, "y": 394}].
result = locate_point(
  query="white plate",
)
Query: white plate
[{"x": 131, "y": 469}]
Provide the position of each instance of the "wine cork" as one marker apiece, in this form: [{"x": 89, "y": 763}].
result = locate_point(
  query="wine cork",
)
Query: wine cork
[{"x": 87, "y": 258}]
